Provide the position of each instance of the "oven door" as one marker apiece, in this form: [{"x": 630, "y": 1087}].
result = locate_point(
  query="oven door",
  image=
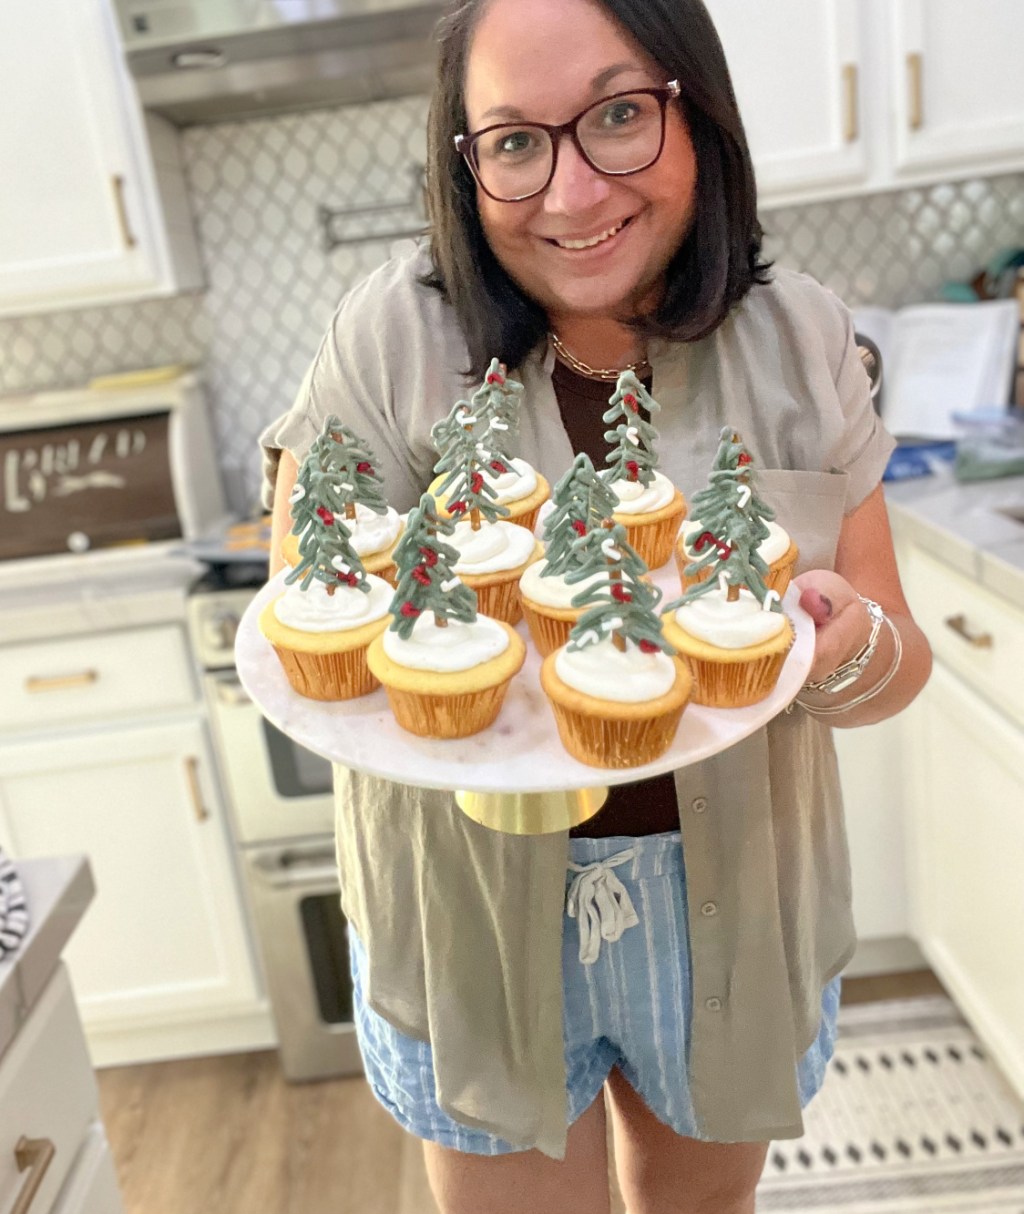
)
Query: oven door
[
  {"x": 303, "y": 939},
  {"x": 276, "y": 788}
]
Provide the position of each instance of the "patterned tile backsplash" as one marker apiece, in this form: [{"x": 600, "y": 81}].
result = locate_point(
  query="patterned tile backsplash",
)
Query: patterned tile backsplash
[{"x": 272, "y": 285}]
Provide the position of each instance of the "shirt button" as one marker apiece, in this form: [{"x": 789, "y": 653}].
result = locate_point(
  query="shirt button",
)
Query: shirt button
[
  {"x": 699, "y": 805},
  {"x": 709, "y": 909},
  {"x": 714, "y": 1004}
]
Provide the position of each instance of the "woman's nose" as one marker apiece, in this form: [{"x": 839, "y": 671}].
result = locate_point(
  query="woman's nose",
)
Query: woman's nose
[{"x": 575, "y": 185}]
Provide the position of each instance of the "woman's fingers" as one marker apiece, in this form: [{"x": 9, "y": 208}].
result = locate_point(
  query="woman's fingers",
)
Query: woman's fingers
[{"x": 841, "y": 621}]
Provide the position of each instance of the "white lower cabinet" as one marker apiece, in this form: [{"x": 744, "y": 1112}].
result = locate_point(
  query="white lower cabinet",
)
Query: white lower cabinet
[
  {"x": 53, "y": 1152},
  {"x": 966, "y": 849},
  {"x": 165, "y": 939}
]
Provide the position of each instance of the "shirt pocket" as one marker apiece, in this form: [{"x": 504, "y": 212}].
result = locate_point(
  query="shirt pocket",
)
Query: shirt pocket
[{"x": 810, "y": 506}]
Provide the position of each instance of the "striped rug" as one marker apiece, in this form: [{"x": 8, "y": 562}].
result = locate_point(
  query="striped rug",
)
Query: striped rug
[{"x": 914, "y": 1118}]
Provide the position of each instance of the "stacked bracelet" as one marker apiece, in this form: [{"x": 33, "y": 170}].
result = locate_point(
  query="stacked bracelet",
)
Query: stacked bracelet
[{"x": 878, "y": 618}]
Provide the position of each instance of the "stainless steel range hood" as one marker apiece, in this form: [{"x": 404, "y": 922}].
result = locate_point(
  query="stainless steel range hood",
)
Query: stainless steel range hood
[{"x": 208, "y": 60}]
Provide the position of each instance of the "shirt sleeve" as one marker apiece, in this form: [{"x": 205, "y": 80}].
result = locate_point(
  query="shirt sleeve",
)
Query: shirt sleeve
[{"x": 865, "y": 445}]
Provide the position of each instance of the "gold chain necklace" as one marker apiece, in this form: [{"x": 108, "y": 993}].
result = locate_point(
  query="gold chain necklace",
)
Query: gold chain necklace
[{"x": 607, "y": 373}]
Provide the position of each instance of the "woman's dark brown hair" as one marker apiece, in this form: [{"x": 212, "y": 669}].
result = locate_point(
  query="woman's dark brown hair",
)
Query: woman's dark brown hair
[{"x": 715, "y": 266}]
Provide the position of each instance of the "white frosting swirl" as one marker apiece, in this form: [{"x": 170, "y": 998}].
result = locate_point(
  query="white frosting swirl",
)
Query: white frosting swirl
[
  {"x": 519, "y": 482},
  {"x": 712, "y": 618},
  {"x": 491, "y": 548},
  {"x": 314, "y": 610},
  {"x": 458, "y": 646},
  {"x": 637, "y": 498},
  {"x": 602, "y": 671},
  {"x": 372, "y": 532},
  {"x": 554, "y": 590},
  {"x": 775, "y": 546}
]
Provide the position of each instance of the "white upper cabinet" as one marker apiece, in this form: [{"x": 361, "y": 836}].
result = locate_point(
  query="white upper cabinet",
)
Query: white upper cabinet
[
  {"x": 957, "y": 84},
  {"x": 93, "y": 207},
  {"x": 795, "y": 66},
  {"x": 844, "y": 97}
]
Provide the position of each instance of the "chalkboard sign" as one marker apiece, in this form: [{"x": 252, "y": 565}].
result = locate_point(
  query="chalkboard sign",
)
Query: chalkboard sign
[{"x": 70, "y": 488}]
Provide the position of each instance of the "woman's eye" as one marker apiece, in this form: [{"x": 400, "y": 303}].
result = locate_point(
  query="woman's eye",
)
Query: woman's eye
[
  {"x": 619, "y": 113},
  {"x": 514, "y": 143}
]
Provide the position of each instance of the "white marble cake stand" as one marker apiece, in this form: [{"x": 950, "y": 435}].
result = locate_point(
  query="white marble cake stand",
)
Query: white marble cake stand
[{"x": 520, "y": 753}]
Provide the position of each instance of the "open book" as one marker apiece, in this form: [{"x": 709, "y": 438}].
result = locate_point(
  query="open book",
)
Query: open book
[{"x": 941, "y": 359}]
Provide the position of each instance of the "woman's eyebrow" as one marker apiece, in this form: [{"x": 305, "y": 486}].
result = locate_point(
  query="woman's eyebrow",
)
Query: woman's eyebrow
[{"x": 597, "y": 86}]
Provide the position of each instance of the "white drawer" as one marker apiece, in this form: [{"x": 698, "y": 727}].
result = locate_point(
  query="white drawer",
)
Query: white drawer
[
  {"x": 971, "y": 630},
  {"x": 92, "y": 1186},
  {"x": 47, "y": 1093},
  {"x": 82, "y": 678}
]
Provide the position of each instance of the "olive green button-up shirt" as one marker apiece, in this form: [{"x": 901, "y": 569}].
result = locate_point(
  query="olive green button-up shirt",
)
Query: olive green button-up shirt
[{"x": 463, "y": 925}]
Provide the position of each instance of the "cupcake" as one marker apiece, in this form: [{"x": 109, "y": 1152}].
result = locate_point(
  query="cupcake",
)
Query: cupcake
[
  {"x": 700, "y": 548},
  {"x": 492, "y": 553},
  {"x": 649, "y": 506},
  {"x": 492, "y": 417},
  {"x": 735, "y": 648},
  {"x": 445, "y": 667},
  {"x": 357, "y": 496},
  {"x": 729, "y": 627},
  {"x": 323, "y": 623},
  {"x": 616, "y": 689},
  {"x": 777, "y": 550},
  {"x": 581, "y": 501}
]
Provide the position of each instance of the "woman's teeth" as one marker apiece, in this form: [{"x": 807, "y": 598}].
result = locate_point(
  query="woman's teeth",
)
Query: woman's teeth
[{"x": 594, "y": 240}]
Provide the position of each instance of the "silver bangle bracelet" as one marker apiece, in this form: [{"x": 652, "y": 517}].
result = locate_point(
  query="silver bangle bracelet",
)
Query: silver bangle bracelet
[{"x": 878, "y": 688}]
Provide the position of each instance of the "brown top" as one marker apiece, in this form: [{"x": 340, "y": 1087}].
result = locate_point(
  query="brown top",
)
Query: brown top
[{"x": 645, "y": 807}]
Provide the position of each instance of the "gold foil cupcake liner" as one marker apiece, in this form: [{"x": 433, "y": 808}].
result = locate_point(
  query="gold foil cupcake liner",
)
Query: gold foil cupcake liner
[
  {"x": 780, "y": 572},
  {"x": 527, "y": 520},
  {"x": 499, "y": 600},
  {"x": 453, "y": 716},
  {"x": 341, "y": 675},
  {"x": 615, "y": 743},
  {"x": 546, "y": 632},
  {"x": 653, "y": 542},
  {"x": 733, "y": 684}
]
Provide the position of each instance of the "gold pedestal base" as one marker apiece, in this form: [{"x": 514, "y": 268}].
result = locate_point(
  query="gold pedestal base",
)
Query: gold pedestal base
[{"x": 531, "y": 813}]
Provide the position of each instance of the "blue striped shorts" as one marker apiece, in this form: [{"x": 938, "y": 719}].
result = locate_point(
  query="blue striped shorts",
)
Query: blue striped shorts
[{"x": 626, "y": 1000}]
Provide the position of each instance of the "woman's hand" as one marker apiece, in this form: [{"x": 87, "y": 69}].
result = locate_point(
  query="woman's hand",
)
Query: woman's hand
[{"x": 841, "y": 621}]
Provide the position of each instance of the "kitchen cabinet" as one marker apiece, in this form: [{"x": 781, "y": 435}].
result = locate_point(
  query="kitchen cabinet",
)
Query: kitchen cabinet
[
  {"x": 965, "y": 826},
  {"x": 844, "y": 97},
  {"x": 163, "y": 965},
  {"x": 94, "y": 207},
  {"x": 49, "y": 1114}
]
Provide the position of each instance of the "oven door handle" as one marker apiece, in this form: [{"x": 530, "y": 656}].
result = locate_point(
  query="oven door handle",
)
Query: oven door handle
[
  {"x": 231, "y": 693},
  {"x": 286, "y": 869}
]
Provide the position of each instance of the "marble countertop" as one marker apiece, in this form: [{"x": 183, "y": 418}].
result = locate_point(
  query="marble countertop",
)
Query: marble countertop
[
  {"x": 58, "y": 890},
  {"x": 963, "y": 524}
]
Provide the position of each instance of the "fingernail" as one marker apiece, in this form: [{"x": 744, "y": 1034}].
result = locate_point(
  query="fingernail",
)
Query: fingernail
[{"x": 828, "y": 603}]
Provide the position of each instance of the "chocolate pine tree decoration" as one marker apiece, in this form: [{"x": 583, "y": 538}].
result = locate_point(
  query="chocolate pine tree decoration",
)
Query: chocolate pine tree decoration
[
  {"x": 582, "y": 500},
  {"x": 468, "y": 490},
  {"x": 348, "y": 455},
  {"x": 447, "y": 430},
  {"x": 632, "y": 456},
  {"x": 495, "y": 406},
  {"x": 621, "y": 604},
  {"x": 325, "y": 548},
  {"x": 735, "y": 522},
  {"x": 425, "y": 578}
]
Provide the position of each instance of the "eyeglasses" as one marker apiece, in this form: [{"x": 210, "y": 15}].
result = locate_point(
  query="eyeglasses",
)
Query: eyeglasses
[{"x": 616, "y": 136}]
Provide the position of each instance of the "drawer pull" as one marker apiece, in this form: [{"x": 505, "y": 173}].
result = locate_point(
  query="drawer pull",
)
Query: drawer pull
[
  {"x": 192, "y": 772},
  {"x": 980, "y": 640},
  {"x": 850, "y": 102},
  {"x": 127, "y": 235},
  {"x": 34, "y": 1155},
  {"x": 60, "y": 682},
  {"x": 915, "y": 65}
]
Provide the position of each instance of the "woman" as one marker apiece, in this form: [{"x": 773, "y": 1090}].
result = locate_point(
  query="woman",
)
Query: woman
[{"x": 599, "y": 211}]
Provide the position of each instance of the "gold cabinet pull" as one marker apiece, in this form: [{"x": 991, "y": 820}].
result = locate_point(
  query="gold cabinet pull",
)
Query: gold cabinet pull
[
  {"x": 915, "y": 70},
  {"x": 850, "y": 103},
  {"x": 980, "y": 640},
  {"x": 33, "y": 1155},
  {"x": 127, "y": 235},
  {"x": 60, "y": 682},
  {"x": 192, "y": 772}
]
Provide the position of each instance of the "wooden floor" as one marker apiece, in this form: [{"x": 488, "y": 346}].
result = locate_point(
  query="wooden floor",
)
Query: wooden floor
[{"x": 227, "y": 1135}]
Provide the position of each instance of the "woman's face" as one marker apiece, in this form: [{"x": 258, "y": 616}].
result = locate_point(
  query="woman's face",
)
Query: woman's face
[{"x": 544, "y": 61}]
